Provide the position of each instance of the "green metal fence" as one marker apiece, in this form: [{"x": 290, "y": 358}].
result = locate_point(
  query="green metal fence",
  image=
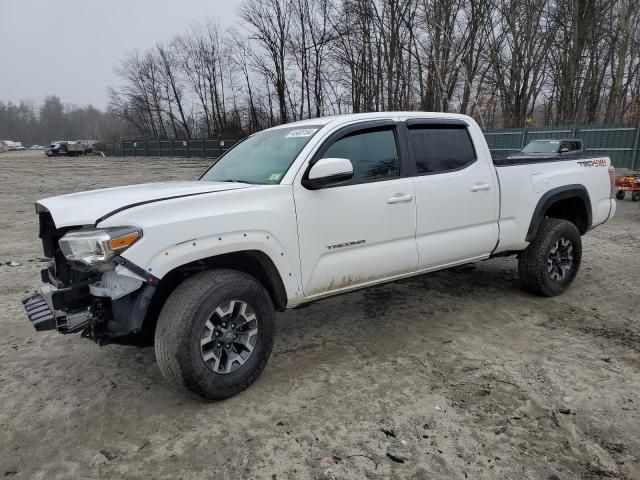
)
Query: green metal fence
[
  {"x": 619, "y": 142},
  {"x": 202, "y": 148}
]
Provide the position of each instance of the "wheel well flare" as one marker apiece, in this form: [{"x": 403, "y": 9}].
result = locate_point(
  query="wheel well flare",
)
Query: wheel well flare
[
  {"x": 253, "y": 262},
  {"x": 569, "y": 203}
]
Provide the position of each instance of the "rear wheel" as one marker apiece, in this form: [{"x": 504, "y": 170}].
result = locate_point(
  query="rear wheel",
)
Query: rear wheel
[
  {"x": 215, "y": 333},
  {"x": 620, "y": 194},
  {"x": 550, "y": 263},
  {"x": 635, "y": 196}
]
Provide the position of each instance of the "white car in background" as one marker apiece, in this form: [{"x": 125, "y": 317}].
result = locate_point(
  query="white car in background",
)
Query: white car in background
[{"x": 13, "y": 146}]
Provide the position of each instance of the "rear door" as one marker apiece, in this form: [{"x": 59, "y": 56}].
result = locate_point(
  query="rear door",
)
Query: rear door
[
  {"x": 363, "y": 230},
  {"x": 457, "y": 197}
]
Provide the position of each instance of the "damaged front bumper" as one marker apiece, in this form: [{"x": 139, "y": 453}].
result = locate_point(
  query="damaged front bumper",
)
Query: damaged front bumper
[
  {"x": 100, "y": 303},
  {"x": 43, "y": 315},
  {"x": 39, "y": 310},
  {"x": 110, "y": 305}
]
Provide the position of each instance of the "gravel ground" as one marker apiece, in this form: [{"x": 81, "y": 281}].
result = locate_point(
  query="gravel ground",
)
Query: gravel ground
[{"x": 457, "y": 374}]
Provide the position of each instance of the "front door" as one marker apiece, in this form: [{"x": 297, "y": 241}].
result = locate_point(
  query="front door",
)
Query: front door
[{"x": 363, "y": 230}]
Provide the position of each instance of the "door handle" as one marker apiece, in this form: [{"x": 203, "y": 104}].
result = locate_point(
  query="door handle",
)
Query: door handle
[
  {"x": 480, "y": 186},
  {"x": 399, "y": 198}
]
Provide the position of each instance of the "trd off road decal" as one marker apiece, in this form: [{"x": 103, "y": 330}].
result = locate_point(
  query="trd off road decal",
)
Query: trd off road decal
[
  {"x": 596, "y": 162},
  {"x": 346, "y": 244}
]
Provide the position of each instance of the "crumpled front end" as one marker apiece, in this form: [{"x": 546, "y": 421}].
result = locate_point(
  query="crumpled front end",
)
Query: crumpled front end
[{"x": 101, "y": 303}]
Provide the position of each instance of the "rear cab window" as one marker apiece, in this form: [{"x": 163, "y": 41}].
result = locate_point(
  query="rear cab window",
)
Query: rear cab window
[{"x": 439, "y": 148}]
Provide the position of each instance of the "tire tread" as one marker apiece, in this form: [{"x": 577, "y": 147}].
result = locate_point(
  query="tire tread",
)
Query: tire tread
[
  {"x": 533, "y": 260},
  {"x": 171, "y": 336}
]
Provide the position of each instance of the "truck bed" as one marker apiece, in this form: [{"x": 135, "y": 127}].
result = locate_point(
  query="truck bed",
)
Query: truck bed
[{"x": 524, "y": 181}]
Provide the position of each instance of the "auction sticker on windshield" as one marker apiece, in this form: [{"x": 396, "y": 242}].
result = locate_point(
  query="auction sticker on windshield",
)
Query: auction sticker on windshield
[{"x": 302, "y": 132}]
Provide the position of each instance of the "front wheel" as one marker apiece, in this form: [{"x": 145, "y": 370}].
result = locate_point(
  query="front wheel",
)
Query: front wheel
[
  {"x": 550, "y": 263},
  {"x": 635, "y": 196},
  {"x": 620, "y": 194},
  {"x": 215, "y": 333}
]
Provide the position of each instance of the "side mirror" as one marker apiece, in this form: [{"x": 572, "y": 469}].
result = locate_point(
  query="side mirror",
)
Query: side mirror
[
  {"x": 328, "y": 172},
  {"x": 564, "y": 149}
]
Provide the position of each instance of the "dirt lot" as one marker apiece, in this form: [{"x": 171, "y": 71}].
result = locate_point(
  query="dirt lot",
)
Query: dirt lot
[{"x": 451, "y": 375}]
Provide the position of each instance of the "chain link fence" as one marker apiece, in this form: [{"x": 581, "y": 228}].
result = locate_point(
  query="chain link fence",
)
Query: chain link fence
[{"x": 619, "y": 142}]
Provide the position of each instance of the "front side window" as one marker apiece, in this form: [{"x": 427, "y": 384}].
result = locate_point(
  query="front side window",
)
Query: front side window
[
  {"x": 262, "y": 158},
  {"x": 373, "y": 153},
  {"x": 441, "y": 148}
]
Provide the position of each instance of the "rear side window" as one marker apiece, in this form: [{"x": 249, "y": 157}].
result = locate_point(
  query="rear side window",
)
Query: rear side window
[
  {"x": 441, "y": 148},
  {"x": 373, "y": 153}
]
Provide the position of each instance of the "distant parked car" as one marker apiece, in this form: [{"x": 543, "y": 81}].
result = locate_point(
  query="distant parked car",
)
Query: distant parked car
[
  {"x": 550, "y": 148},
  {"x": 14, "y": 146},
  {"x": 64, "y": 147},
  {"x": 56, "y": 149}
]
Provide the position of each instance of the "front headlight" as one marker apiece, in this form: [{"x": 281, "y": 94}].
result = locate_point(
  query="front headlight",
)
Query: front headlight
[{"x": 95, "y": 247}]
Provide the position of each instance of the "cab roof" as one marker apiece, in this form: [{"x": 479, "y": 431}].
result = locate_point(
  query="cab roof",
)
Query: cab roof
[{"x": 348, "y": 118}]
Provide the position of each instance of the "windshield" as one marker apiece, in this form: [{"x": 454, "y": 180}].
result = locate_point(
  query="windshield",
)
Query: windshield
[
  {"x": 262, "y": 158},
  {"x": 542, "y": 146}
]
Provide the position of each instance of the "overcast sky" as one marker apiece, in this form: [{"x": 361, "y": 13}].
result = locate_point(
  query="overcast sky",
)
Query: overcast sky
[{"x": 70, "y": 48}]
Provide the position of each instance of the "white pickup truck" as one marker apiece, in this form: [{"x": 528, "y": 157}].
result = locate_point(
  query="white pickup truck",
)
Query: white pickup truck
[{"x": 297, "y": 213}]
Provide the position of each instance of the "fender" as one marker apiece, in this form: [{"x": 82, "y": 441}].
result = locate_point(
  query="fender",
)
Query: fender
[
  {"x": 131, "y": 312},
  {"x": 552, "y": 196},
  {"x": 253, "y": 262}
]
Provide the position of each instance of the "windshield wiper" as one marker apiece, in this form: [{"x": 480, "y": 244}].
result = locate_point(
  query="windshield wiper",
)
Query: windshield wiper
[{"x": 232, "y": 180}]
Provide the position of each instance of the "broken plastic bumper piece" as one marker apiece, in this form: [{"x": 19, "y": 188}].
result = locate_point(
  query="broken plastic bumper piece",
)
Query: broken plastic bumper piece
[
  {"x": 40, "y": 308},
  {"x": 40, "y": 313}
]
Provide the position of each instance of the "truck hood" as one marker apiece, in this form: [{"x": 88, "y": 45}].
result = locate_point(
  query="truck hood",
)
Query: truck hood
[{"x": 87, "y": 208}]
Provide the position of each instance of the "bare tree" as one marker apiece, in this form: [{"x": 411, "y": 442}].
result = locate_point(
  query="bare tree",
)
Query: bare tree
[
  {"x": 269, "y": 22},
  {"x": 168, "y": 56},
  {"x": 624, "y": 59},
  {"x": 519, "y": 39},
  {"x": 505, "y": 62}
]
